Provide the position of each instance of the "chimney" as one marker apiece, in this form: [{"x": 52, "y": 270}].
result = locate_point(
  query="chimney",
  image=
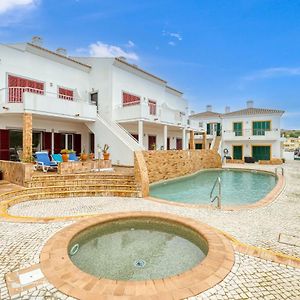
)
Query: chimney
[
  {"x": 61, "y": 51},
  {"x": 122, "y": 58},
  {"x": 250, "y": 104},
  {"x": 208, "y": 108},
  {"x": 37, "y": 41},
  {"x": 227, "y": 109}
]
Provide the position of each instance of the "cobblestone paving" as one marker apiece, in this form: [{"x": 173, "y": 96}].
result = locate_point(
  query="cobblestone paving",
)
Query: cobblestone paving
[
  {"x": 254, "y": 278},
  {"x": 250, "y": 278},
  {"x": 20, "y": 246},
  {"x": 258, "y": 227}
]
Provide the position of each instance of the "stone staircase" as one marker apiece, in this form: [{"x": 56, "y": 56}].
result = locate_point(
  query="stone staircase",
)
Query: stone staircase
[
  {"x": 217, "y": 143},
  {"x": 94, "y": 184}
]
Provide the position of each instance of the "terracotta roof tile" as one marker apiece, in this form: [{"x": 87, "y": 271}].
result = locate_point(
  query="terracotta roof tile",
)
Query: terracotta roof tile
[{"x": 254, "y": 111}]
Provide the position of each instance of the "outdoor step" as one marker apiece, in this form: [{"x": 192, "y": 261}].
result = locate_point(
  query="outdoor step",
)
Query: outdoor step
[
  {"x": 80, "y": 182},
  {"x": 81, "y": 176},
  {"x": 73, "y": 193}
]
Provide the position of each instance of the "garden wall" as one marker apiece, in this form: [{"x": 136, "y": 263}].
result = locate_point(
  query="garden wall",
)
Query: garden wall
[
  {"x": 168, "y": 164},
  {"x": 16, "y": 172}
]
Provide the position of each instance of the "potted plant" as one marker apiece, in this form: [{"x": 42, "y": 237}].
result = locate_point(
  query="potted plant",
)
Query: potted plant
[
  {"x": 65, "y": 155},
  {"x": 105, "y": 153},
  {"x": 92, "y": 156},
  {"x": 83, "y": 155}
]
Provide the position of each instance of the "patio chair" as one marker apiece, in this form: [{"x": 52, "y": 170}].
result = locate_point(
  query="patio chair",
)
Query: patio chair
[
  {"x": 43, "y": 161},
  {"x": 57, "y": 158},
  {"x": 73, "y": 157}
]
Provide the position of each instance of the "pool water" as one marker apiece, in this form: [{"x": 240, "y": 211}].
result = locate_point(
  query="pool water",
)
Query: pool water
[
  {"x": 137, "y": 249},
  {"x": 238, "y": 187}
]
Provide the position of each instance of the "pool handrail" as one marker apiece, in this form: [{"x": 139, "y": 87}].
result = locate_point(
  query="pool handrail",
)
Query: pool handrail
[
  {"x": 219, "y": 196},
  {"x": 282, "y": 170}
]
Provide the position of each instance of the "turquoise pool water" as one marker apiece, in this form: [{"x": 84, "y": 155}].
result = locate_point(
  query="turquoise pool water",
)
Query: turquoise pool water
[
  {"x": 137, "y": 249},
  {"x": 238, "y": 187}
]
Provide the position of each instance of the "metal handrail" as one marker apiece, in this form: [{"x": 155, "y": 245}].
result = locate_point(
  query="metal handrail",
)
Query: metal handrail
[
  {"x": 219, "y": 196},
  {"x": 282, "y": 170}
]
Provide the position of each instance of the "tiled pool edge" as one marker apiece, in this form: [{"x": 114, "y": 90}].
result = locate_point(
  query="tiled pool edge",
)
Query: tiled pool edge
[{"x": 63, "y": 274}]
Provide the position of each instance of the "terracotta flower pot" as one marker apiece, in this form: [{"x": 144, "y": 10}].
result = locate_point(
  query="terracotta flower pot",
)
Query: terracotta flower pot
[
  {"x": 92, "y": 156},
  {"x": 84, "y": 156},
  {"x": 106, "y": 156},
  {"x": 65, "y": 157}
]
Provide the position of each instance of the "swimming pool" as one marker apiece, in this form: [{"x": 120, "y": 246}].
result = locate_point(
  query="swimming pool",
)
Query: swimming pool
[{"x": 238, "y": 187}]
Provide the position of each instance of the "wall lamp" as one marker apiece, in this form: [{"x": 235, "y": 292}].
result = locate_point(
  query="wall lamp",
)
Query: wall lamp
[
  {"x": 77, "y": 115},
  {"x": 5, "y": 107}
]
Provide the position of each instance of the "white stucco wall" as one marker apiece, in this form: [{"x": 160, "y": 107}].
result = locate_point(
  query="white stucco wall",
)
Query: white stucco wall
[{"x": 52, "y": 73}]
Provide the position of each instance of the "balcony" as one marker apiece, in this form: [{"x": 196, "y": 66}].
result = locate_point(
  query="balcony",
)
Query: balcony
[
  {"x": 148, "y": 112},
  {"x": 247, "y": 134},
  {"x": 39, "y": 102}
]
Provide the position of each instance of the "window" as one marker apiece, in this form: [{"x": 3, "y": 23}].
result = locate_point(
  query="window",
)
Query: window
[
  {"x": 18, "y": 85},
  {"x": 260, "y": 127},
  {"x": 152, "y": 107},
  {"x": 238, "y": 128},
  {"x": 65, "y": 93},
  {"x": 129, "y": 99}
]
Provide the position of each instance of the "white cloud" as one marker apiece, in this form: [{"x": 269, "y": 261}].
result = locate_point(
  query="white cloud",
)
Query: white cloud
[
  {"x": 171, "y": 43},
  {"x": 7, "y": 5},
  {"x": 100, "y": 49},
  {"x": 130, "y": 44},
  {"x": 273, "y": 72},
  {"x": 176, "y": 35}
]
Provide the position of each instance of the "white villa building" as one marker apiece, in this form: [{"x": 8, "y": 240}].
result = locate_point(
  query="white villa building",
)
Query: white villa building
[
  {"x": 50, "y": 101},
  {"x": 250, "y": 132}
]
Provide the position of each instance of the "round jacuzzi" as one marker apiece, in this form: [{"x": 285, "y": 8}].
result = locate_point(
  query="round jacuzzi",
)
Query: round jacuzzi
[
  {"x": 138, "y": 254},
  {"x": 137, "y": 249}
]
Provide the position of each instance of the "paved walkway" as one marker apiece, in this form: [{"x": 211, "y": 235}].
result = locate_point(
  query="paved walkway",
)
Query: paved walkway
[{"x": 251, "y": 278}]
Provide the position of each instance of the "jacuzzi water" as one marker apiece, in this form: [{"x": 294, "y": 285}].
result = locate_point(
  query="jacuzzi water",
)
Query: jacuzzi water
[
  {"x": 237, "y": 187},
  {"x": 137, "y": 249}
]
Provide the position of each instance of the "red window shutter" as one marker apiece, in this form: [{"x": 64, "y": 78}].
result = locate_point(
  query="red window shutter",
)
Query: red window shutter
[
  {"x": 18, "y": 85},
  {"x": 129, "y": 99},
  {"x": 152, "y": 107},
  {"x": 65, "y": 93},
  {"x": 57, "y": 143},
  {"x": 47, "y": 141},
  {"x": 4, "y": 144},
  {"x": 77, "y": 143}
]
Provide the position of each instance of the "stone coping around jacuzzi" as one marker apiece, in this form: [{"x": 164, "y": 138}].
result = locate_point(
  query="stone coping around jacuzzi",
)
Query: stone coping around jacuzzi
[
  {"x": 67, "y": 278},
  {"x": 269, "y": 198}
]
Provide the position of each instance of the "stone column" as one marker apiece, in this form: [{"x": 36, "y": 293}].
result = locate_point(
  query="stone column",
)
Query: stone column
[
  {"x": 165, "y": 137},
  {"x": 192, "y": 140},
  {"x": 27, "y": 137},
  {"x": 204, "y": 140},
  {"x": 141, "y": 132},
  {"x": 183, "y": 139}
]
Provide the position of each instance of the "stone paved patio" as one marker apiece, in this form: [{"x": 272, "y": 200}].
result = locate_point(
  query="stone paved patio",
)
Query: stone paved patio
[{"x": 251, "y": 278}]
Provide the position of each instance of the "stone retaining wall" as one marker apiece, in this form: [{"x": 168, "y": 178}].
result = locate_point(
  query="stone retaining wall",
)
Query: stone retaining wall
[
  {"x": 168, "y": 164},
  {"x": 16, "y": 172}
]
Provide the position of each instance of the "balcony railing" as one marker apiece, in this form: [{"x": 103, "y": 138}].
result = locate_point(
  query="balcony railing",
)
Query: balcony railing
[
  {"x": 150, "y": 111},
  {"x": 39, "y": 102},
  {"x": 250, "y": 133},
  {"x": 16, "y": 94}
]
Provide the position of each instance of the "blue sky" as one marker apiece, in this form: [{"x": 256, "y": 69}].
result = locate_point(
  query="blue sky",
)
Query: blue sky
[{"x": 217, "y": 52}]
